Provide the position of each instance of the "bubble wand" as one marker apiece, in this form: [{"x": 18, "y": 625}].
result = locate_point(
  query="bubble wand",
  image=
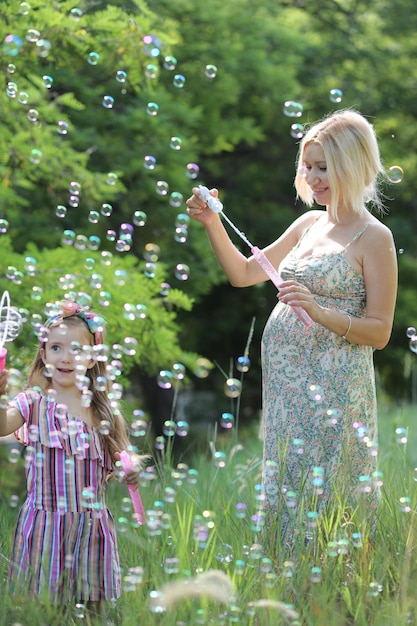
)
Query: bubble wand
[
  {"x": 10, "y": 325},
  {"x": 138, "y": 509},
  {"x": 217, "y": 207}
]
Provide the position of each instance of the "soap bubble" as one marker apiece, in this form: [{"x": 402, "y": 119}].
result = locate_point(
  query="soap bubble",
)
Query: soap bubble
[
  {"x": 179, "y": 81},
  {"x": 405, "y": 504},
  {"x": 32, "y": 35},
  {"x": 150, "y": 269},
  {"x": 316, "y": 393},
  {"x": 175, "y": 143},
  {"x": 395, "y": 174},
  {"x": 47, "y": 81},
  {"x": 401, "y": 435},
  {"x": 152, "y": 109},
  {"x": 43, "y": 47},
  {"x": 178, "y": 371},
  {"x": 108, "y": 102},
  {"x": 192, "y": 170},
  {"x": 181, "y": 234},
  {"x": 4, "y": 226},
  {"x": 210, "y": 71},
  {"x": 227, "y": 420},
  {"x": 161, "y": 187},
  {"x": 23, "y": 97},
  {"x": 35, "y": 156},
  {"x": 182, "y": 428},
  {"x": 169, "y": 428},
  {"x": 297, "y": 131},
  {"x": 139, "y": 218},
  {"x": 151, "y": 252},
  {"x": 315, "y": 574},
  {"x": 14, "y": 455},
  {"x": 202, "y": 368},
  {"x": 11, "y": 89},
  {"x": 62, "y": 127},
  {"x": 151, "y": 70},
  {"x": 293, "y": 109},
  {"x": 335, "y": 95},
  {"x": 12, "y": 44},
  {"x": 232, "y": 388},
  {"x": 24, "y": 8},
  {"x": 374, "y": 589},
  {"x": 75, "y": 14},
  {"x": 33, "y": 115},
  {"x": 111, "y": 178},
  {"x": 170, "y": 63},
  {"x": 165, "y": 379},
  {"x": 121, "y": 76},
  {"x": 93, "y": 58},
  {"x": 220, "y": 459},
  {"x": 243, "y": 364},
  {"x": 298, "y": 445},
  {"x": 149, "y": 162},
  {"x": 182, "y": 271}
]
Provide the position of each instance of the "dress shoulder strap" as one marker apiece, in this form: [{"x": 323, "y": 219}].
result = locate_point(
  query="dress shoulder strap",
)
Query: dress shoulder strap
[
  {"x": 356, "y": 237},
  {"x": 306, "y": 231}
]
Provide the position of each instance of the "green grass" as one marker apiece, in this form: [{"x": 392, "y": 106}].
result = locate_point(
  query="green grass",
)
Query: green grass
[{"x": 193, "y": 527}]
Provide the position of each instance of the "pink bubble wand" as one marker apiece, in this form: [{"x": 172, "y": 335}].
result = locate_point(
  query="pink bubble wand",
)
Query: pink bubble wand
[
  {"x": 138, "y": 509},
  {"x": 217, "y": 207}
]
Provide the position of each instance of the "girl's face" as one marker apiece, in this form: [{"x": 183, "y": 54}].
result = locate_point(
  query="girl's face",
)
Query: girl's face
[
  {"x": 64, "y": 356},
  {"x": 315, "y": 173}
]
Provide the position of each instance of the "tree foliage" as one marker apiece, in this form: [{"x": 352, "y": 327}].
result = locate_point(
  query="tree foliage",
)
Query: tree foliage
[{"x": 93, "y": 93}]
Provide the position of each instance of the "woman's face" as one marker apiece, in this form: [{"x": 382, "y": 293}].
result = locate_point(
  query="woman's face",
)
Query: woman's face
[{"x": 315, "y": 173}]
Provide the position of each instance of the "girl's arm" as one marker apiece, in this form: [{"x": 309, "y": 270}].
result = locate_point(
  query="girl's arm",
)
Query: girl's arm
[{"x": 10, "y": 419}]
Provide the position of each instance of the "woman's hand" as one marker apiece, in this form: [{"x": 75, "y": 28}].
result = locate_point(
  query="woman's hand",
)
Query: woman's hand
[
  {"x": 295, "y": 294},
  {"x": 198, "y": 209}
]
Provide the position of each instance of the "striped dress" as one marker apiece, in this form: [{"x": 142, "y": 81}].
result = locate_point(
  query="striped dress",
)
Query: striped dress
[{"x": 65, "y": 542}]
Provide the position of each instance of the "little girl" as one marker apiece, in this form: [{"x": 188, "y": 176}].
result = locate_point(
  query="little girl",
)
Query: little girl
[{"x": 65, "y": 541}]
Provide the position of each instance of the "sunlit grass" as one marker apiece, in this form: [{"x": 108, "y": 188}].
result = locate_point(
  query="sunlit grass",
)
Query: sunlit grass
[{"x": 204, "y": 554}]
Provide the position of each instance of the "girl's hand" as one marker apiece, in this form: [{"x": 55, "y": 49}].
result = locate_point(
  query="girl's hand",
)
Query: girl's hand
[
  {"x": 4, "y": 379},
  {"x": 132, "y": 476},
  {"x": 198, "y": 209},
  {"x": 295, "y": 294}
]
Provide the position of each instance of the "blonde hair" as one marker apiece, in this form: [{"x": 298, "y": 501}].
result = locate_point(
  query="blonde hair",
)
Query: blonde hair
[
  {"x": 352, "y": 158},
  {"x": 101, "y": 405}
]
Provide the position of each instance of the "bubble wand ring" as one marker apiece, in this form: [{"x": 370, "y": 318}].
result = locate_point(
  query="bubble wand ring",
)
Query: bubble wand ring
[
  {"x": 215, "y": 205},
  {"x": 133, "y": 490}
]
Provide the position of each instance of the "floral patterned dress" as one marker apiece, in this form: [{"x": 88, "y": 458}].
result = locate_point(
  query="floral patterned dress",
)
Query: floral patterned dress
[{"x": 319, "y": 402}]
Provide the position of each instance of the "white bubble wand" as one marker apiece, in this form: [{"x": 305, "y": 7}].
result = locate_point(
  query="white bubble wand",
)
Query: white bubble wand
[
  {"x": 10, "y": 325},
  {"x": 217, "y": 207}
]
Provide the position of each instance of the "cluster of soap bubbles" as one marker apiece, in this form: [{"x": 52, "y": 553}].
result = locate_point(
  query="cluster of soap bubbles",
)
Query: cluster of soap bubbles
[
  {"x": 294, "y": 109},
  {"x": 151, "y": 48}
]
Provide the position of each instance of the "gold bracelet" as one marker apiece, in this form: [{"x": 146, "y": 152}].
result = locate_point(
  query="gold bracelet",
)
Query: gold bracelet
[{"x": 348, "y": 328}]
